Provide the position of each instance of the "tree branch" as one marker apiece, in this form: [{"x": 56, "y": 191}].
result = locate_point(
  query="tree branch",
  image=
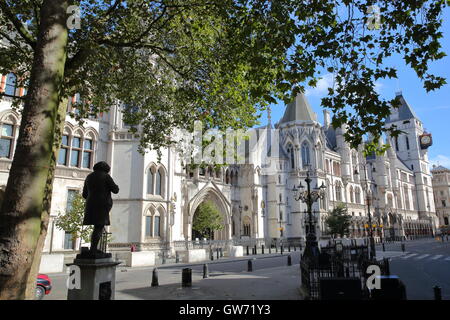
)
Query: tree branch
[{"x": 23, "y": 32}]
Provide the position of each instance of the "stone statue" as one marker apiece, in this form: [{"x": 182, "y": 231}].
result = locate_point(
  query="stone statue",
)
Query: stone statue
[{"x": 97, "y": 192}]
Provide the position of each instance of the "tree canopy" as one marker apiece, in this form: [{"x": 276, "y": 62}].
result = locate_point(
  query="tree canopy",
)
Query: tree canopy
[
  {"x": 174, "y": 61},
  {"x": 71, "y": 220},
  {"x": 338, "y": 221},
  {"x": 207, "y": 219}
]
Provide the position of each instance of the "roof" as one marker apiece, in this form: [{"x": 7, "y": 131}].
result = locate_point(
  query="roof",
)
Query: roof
[
  {"x": 299, "y": 110},
  {"x": 439, "y": 168},
  {"x": 404, "y": 111}
]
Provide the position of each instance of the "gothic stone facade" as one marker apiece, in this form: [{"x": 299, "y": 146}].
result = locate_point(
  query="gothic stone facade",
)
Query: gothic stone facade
[{"x": 158, "y": 199}]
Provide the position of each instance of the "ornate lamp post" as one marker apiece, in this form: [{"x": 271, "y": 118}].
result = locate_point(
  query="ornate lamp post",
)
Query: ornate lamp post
[
  {"x": 309, "y": 197},
  {"x": 367, "y": 188}
]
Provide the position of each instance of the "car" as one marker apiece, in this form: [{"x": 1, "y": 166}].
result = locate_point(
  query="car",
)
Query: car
[{"x": 43, "y": 286}]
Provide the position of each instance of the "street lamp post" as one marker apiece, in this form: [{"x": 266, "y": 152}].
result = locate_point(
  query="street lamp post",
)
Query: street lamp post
[
  {"x": 371, "y": 240},
  {"x": 309, "y": 197}
]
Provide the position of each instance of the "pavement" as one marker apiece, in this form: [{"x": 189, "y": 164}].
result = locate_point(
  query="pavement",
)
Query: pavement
[{"x": 271, "y": 279}]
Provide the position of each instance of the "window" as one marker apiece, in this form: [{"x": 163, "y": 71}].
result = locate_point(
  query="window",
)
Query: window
[
  {"x": 407, "y": 143},
  {"x": 291, "y": 155},
  {"x": 305, "y": 155},
  {"x": 150, "y": 179},
  {"x": 6, "y": 140},
  {"x": 351, "y": 194},
  {"x": 68, "y": 241},
  {"x": 338, "y": 191},
  {"x": 70, "y": 196},
  {"x": 158, "y": 183},
  {"x": 155, "y": 180},
  {"x": 406, "y": 192},
  {"x": 156, "y": 231},
  {"x": 148, "y": 226},
  {"x": 76, "y": 151},
  {"x": 357, "y": 195},
  {"x": 247, "y": 228},
  {"x": 87, "y": 154},
  {"x": 11, "y": 84},
  {"x": 63, "y": 151}
]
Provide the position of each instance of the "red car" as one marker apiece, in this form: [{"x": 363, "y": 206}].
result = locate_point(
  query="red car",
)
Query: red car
[{"x": 43, "y": 286}]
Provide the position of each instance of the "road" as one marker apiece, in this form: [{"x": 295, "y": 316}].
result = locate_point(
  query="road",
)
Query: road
[{"x": 424, "y": 264}]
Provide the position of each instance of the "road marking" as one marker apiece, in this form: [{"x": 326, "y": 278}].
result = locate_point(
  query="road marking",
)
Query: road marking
[
  {"x": 437, "y": 257},
  {"x": 409, "y": 256},
  {"x": 422, "y": 256}
]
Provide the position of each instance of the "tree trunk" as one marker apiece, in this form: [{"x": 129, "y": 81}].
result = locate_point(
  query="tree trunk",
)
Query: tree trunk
[{"x": 24, "y": 212}]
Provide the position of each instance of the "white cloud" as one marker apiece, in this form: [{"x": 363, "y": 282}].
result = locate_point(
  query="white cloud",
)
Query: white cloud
[
  {"x": 321, "y": 89},
  {"x": 327, "y": 81},
  {"x": 440, "y": 160}
]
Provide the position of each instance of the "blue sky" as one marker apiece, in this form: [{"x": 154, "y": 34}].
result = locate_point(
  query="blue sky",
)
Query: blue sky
[{"x": 432, "y": 108}]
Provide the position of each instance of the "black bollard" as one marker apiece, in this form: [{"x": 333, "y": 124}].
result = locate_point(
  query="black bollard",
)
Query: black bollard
[
  {"x": 403, "y": 247},
  {"x": 289, "y": 260},
  {"x": 218, "y": 255},
  {"x": 177, "y": 257},
  {"x": 155, "y": 281},
  {"x": 211, "y": 256},
  {"x": 384, "y": 249},
  {"x": 186, "y": 277},
  {"x": 249, "y": 266},
  {"x": 295, "y": 249},
  {"x": 289, "y": 248},
  {"x": 262, "y": 249},
  {"x": 247, "y": 251},
  {"x": 205, "y": 271},
  {"x": 437, "y": 293},
  {"x": 281, "y": 249},
  {"x": 256, "y": 250}
]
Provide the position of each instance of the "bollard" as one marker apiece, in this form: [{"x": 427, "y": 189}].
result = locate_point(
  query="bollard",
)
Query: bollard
[
  {"x": 186, "y": 277},
  {"x": 289, "y": 248},
  {"x": 386, "y": 263},
  {"x": 205, "y": 271},
  {"x": 249, "y": 266},
  {"x": 437, "y": 293},
  {"x": 177, "y": 257},
  {"x": 155, "y": 281},
  {"x": 300, "y": 247},
  {"x": 262, "y": 249},
  {"x": 256, "y": 250},
  {"x": 403, "y": 247},
  {"x": 218, "y": 256},
  {"x": 347, "y": 272},
  {"x": 289, "y": 260},
  {"x": 247, "y": 251},
  {"x": 295, "y": 249},
  {"x": 211, "y": 256},
  {"x": 384, "y": 249},
  {"x": 281, "y": 249}
]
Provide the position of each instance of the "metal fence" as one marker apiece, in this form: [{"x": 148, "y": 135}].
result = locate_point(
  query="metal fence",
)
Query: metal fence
[{"x": 351, "y": 262}]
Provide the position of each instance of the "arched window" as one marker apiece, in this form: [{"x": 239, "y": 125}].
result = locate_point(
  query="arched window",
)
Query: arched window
[
  {"x": 305, "y": 155},
  {"x": 7, "y": 139},
  {"x": 357, "y": 195},
  {"x": 77, "y": 151},
  {"x": 149, "y": 222},
  {"x": 158, "y": 179},
  {"x": 11, "y": 84},
  {"x": 290, "y": 151},
  {"x": 227, "y": 176},
  {"x": 338, "y": 191},
  {"x": 247, "y": 226},
  {"x": 157, "y": 224},
  {"x": 150, "y": 180},
  {"x": 351, "y": 194}
]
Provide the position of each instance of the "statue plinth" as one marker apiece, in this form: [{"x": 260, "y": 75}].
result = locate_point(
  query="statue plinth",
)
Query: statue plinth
[{"x": 92, "y": 276}]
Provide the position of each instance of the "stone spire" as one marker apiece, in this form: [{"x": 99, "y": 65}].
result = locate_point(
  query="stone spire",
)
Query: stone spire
[{"x": 299, "y": 110}]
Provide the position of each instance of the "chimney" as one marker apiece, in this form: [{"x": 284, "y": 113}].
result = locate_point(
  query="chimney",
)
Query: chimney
[{"x": 326, "y": 118}]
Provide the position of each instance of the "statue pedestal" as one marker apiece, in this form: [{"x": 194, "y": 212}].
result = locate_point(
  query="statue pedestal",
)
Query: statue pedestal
[{"x": 96, "y": 277}]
